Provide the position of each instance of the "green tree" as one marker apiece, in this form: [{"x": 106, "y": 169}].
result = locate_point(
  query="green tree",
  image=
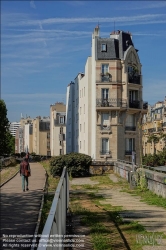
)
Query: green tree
[
  {"x": 155, "y": 139},
  {"x": 4, "y": 129}
]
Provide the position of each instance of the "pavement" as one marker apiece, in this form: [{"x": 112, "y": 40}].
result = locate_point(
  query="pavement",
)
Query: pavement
[
  {"x": 152, "y": 217},
  {"x": 19, "y": 210}
]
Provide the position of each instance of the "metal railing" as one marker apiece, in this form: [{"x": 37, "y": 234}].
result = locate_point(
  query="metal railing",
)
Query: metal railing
[
  {"x": 145, "y": 105},
  {"x": 130, "y": 128},
  {"x": 134, "y": 104},
  {"x": 56, "y": 221},
  {"x": 100, "y": 102},
  {"x": 105, "y": 127},
  {"x": 105, "y": 152},
  {"x": 128, "y": 152},
  {"x": 134, "y": 79}
]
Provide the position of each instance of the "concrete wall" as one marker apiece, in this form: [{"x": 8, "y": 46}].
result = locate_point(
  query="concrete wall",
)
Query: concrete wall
[{"x": 156, "y": 181}]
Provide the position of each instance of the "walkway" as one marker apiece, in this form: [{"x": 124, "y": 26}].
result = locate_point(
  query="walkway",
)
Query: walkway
[
  {"x": 19, "y": 210},
  {"x": 153, "y": 218}
]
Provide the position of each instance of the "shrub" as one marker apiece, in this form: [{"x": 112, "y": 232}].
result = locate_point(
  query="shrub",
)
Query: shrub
[
  {"x": 154, "y": 160},
  {"x": 76, "y": 163}
]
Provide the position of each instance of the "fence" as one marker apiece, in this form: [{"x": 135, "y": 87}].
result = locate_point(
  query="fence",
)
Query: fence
[{"x": 55, "y": 226}]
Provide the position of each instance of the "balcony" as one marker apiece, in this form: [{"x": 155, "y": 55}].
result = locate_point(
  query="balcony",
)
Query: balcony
[
  {"x": 145, "y": 105},
  {"x": 105, "y": 78},
  {"x": 130, "y": 128},
  {"x": 111, "y": 103},
  {"x": 151, "y": 130},
  {"x": 60, "y": 137},
  {"x": 105, "y": 152},
  {"x": 128, "y": 152},
  {"x": 134, "y": 79},
  {"x": 134, "y": 104},
  {"x": 105, "y": 129}
]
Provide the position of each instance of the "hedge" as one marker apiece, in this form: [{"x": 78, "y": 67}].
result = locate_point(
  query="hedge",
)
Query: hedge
[{"x": 77, "y": 164}]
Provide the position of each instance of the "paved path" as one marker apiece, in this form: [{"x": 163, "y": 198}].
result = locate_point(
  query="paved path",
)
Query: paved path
[
  {"x": 19, "y": 210},
  {"x": 153, "y": 218}
]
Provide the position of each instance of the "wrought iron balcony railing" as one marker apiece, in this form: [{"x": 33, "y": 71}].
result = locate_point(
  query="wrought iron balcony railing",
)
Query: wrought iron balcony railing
[
  {"x": 111, "y": 102},
  {"x": 151, "y": 130},
  {"x": 134, "y": 104},
  {"x": 130, "y": 128},
  {"x": 105, "y": 152},
  {"x": 128, "y": 152},
  {"x": 134, "y": 79},
  {"x": 105, "y": 127},
  {"x": 145, "y": 105}
]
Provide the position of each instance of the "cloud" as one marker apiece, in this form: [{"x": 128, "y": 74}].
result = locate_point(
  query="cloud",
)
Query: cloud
[
  {"x": 32, "y": 4},
  {"x": 121, "y": 19},
  {"x": 145, "y": 6}
]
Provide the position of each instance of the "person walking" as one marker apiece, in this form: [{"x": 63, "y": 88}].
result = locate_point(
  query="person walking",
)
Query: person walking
[{"x": 25, "y": 172}]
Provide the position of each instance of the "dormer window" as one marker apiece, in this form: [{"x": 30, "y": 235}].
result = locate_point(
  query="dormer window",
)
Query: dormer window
[{"x": 104, "y": 47}]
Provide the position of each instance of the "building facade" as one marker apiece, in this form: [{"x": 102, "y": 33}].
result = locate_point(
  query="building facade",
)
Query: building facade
[
  {"x": 41, "y": 136},
  {"x": 154, "y": 126},
  {"x": 13, "y": 127},
  {"x": 106, "y": 102},
  {"x": 58, "y": 129}
]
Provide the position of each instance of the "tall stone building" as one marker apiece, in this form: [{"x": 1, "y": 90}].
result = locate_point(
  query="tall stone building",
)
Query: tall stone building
[{"x": 105, "y": 104}]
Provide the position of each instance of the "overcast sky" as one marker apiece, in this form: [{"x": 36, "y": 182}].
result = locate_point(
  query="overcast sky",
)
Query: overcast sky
[{"x": 45, "y": 44}]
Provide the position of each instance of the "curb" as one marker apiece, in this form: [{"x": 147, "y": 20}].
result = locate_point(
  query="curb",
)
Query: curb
[
  {"x": 35, "y": 236},
  {"x": 9, "y": 178}
]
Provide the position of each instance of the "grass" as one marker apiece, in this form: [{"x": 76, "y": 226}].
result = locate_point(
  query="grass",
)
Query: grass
[
  {"x": 148, "y": 197},
  {"x": 52, "y": 181},
  {"x": 130, "y": 231},
  {"x": 100, "y": 235},
  {"x": 8, "y": 172},
  {"x": 52, "y": 185}
]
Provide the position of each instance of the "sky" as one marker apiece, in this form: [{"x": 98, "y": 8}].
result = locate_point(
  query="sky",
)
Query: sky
[{"x": 45, "y": 44}]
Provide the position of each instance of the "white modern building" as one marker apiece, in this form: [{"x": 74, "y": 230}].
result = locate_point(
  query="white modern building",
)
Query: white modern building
[
  {"x": 104, "y": 105},
  {"x": 13, "y": 127}
]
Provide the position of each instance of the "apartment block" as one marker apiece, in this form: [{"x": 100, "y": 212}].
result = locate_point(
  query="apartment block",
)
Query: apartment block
[
  {"x": 13, "y": 128},
  {"x": 41, "y": 136},
  {"x": 19, "y": 140},
  {"x": 154, "y": 125},
  {"x": 105, "y": 104},
  {"x": 58, "y": 129}
]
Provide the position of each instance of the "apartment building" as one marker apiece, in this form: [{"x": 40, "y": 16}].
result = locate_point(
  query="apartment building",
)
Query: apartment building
[
  {"x": 41, "y": 136},
  {"x": 58, "y": 129},
  {"x": 28, "y": 137},
  {"x": 13, "y": 128},
  {"x": 105, "y": 104},
  {"x": 20, "y": 135},
  {"x": 154, "y": 124},
  {"x": 19, "y": 140}
]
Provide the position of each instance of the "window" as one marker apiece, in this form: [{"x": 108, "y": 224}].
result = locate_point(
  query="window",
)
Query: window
[
  {"x": 61, "y": 119},
  {"x": 103, "y": 47},
  {"x": 105, "y": 93},
  {"x": 130, "y": 121},
  {"x": 60, "y": 143},
  {"x": 130, "y": 145},
  {"x": 104, "y": 68},
  {"x": 60, "y": 151},
  {"x": 105, "y": 118},
  {"x": 133, "y": 95},
  {"x": 61, "y": 130},
  {"x": 105, "y": 145}
]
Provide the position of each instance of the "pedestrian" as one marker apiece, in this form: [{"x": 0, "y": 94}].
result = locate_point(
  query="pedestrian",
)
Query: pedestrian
[{"x": 25, "y": 172}]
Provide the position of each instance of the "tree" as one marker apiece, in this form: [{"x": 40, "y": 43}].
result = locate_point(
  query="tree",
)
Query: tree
[
  {"x": 155, "y": 139},
  {"x": 4, "y": 128}
]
